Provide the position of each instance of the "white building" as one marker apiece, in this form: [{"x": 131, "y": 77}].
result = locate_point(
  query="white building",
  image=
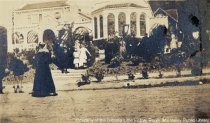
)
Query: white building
[
  {"x": 31, "y": 20},
  {"x": 110, "y": 18}
]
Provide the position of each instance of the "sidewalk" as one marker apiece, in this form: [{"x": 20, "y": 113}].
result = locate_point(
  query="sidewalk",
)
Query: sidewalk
[
  {"x": 169, "y": 79},
  {"x": 68, "y": 83}
]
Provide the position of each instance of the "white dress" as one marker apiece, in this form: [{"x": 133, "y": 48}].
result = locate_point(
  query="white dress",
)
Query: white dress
[
  {"x": 76, "y": 53},
  {"x": 83, "y": 56},
  {"x": 76, "y": 57}
]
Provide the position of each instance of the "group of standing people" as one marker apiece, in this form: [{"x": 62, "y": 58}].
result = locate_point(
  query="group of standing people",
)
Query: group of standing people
[
  {"x": 80, "y": 55},
  {"x": 70, "y": 54},
  {"x": 64, "y": 50},
  {"x": 47, "y": 53}
]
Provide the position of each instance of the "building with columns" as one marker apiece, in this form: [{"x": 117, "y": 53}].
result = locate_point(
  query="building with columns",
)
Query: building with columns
[
  {"x": 110, "y": 19},
  {"x": 30, "y": 21}
]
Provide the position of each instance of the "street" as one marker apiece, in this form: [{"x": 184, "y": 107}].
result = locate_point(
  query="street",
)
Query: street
[{"x": 111, "y": 105}]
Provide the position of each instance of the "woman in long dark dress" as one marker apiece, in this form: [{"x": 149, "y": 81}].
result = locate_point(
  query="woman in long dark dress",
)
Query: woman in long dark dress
[{"x": 43, "y": 82}]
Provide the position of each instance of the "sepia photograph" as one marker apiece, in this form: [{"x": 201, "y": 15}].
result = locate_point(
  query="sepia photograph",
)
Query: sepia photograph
[{"x": 104, "y": 61}]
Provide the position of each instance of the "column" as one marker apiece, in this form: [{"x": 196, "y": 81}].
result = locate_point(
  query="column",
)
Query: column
[
  {"x": 147, "y": 23},
  {"x": 116, "y": 24},
  {"x": 98, "y": 26},
  {"x": 138, "y": 24},
  {"x": 128, "y": 20},
  {"x": 105, "y": 25},
  {"x": 93, "y": 27}
]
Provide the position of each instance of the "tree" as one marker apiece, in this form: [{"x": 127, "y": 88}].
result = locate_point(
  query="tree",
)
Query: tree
[
  {"x": 192, "y": 23},
  {"x": 154, "y": 44}
]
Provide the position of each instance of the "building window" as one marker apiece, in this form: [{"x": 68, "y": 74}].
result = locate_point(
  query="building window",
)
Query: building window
[
  {"x": 111, "y": 24},
  {"x": 40, "y": 18},
  {"x": 32, "y": 37},
  {"x": 95, "y": 27},
  {"x": 67, "y": 8},
  {"x": 121, "y": 22},
  {"x": 142, "y": 24},
  {"x": 57, "y": 15},
  {"x": 101, "y": 27},
  {"x": 133, "y": 23}
]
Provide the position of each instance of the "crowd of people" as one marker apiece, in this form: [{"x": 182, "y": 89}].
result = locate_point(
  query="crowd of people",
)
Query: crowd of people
[
  {"x": 50, "y": 50},
  {"x": 64, "y": 54}
]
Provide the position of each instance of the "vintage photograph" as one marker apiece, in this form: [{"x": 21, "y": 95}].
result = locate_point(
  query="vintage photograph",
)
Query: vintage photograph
[{"x": 104, "y": 61}]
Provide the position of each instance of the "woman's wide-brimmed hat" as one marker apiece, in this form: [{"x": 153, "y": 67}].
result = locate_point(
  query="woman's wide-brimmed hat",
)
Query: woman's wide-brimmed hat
[{"x": 49, "y": 35}]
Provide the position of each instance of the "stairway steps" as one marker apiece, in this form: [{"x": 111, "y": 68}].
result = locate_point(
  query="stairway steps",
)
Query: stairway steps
[
  {"x": 70, "y": 70},
  {"x": 68, "y": 74},
  {"x": 73, "y": 74}
]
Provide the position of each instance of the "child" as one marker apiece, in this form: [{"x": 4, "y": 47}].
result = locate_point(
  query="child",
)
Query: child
[
  {"x": 83, "y": 56},
  {"x": 76, "y": 54},
  {"x": 18, "y": 68}
]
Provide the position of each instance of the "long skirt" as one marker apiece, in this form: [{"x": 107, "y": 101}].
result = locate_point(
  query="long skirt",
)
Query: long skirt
[{"x": 43, "y": 82}]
